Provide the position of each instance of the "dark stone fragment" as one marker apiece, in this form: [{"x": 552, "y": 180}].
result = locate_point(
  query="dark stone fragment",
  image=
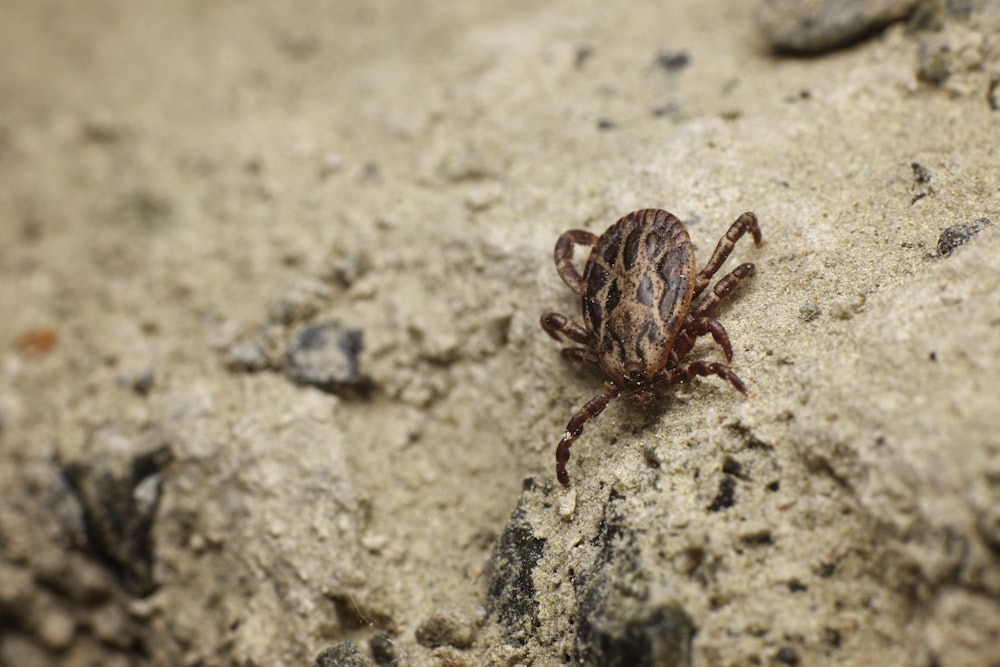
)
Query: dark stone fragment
[
  {"x": 510, "y": 595},
  {"x": 933, "y": 64},
  {"x": 796, "y": 586},
  {"x": 934, "y": 15},
  {"x": 921, "y": 174},
  {"x": 118, "y": 487},
  {"x": 619, "y": 624},
  {"x": 726, "y": 497},
  {"x": 384, "y": 651},
  {"x": 788, "y": 655},
  {"x": 731, "y": 466},
  {"x": 652, "y": 636},
  {"x": 668, "y": 110},
  {"x": 959, "y": 234},
  {"x": 325, "y": 355},
  {"x": 143, "y": 383},
  {"x": 757, "y": 539},
  {"x": 344, "y": 654},
  {"x": 814, "y": 26},
  {"x": 673, "y": 61}
]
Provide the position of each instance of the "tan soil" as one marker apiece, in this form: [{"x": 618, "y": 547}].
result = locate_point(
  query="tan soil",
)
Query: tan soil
[{"x": 170, "y": 173}]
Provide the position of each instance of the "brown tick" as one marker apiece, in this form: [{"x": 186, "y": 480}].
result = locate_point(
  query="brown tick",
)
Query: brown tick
[{"x": 643, "y": 308}]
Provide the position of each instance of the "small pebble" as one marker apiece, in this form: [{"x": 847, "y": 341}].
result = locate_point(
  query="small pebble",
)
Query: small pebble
[
  {"x": 246, "y": 358},
  {"x": 344, "y": 654},
  {"x": 482, "y": 196},
  {"x": 673, "y": 61},
  {"x": 110, "y": 479},
  {"x": 788, "y": 655},
  {"x": 325, "y": 355},
  {"x": 812, "y": 26},
  {"x": 110, "y": 624},
  {"x": 55, "y": 629},
  {"x": 299, "y": 302},
  {"x": 449, "y": 627},
  {"x": 346, "y": 270},
  {"x": 959, "y": 234},
  {"x": 89, "y": 582},
  {"x": 384, "y": 651}
]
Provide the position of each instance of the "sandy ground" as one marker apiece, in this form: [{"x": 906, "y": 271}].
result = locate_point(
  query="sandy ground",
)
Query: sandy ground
[{"x": 178, "y": 179}]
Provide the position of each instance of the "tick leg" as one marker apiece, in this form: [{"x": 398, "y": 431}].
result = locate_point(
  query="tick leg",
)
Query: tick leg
[
  {"x": 557, "y": 325},
  {"x": 699, "y": 327},
  {"x": 726, "y": 284},
  {"x": 594, "y": 407},
  {"x": 579, "y": 355},
  {"x": 564, "y": 258},
  {"x": 700, "y": 368},
  {"x": 744, "y": 223}
]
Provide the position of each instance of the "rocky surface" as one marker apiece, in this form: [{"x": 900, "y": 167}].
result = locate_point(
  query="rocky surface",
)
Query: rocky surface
[
  {"x": 812, "y": 26},
  {"x": 180, "y": 212}
]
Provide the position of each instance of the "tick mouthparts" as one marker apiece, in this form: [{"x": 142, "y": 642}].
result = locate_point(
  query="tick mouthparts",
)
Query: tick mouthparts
[{"x": 635, "y": 375}]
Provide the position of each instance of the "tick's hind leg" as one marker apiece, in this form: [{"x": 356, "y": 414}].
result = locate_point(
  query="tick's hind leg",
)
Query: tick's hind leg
[
  {"x": 559, "y": 326},
  {"x": 594, "y": 407},
  {"x": 700, "y": 368},
  {"x": 744, "y": 223},
  {"x": 564, "y": 258}
]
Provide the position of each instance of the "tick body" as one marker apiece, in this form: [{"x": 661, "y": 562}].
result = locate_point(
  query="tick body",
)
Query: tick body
[{"x": 644, "y": 304}]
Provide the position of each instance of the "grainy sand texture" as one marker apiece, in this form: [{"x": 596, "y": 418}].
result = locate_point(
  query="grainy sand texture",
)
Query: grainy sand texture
[{"x": 273, "y": 389}]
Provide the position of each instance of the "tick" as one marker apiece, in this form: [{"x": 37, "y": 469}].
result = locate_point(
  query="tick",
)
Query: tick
[{"x": 644, "y": 306}]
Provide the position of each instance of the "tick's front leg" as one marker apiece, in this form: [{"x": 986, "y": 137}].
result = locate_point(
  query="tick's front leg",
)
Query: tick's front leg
[
  {"x": 564, "y": 258},
  {"x": 594, "y": 407},
  {"x": 745, "y": 223},
  {"x": 580, "y": 355},
  {"x": 557, "y": 325}
]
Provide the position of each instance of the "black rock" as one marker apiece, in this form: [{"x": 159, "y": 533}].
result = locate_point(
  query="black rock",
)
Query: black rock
[
  {"x": 726, "y": 497},
  {"x": 344, "y": 654},
  {"x": 384, "y": 651},
  {"x": 788, "y": 655},
  {"x": 811, "y": 26},
  {"x": 656, "y": 635},
  {"x": 117, "y": 482},
  {"x": 510, "y": 595},
  {"x": 622, "y": 625},
  {"x": 325, "y": 355},
  {"x": 959, "y": 234}
]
